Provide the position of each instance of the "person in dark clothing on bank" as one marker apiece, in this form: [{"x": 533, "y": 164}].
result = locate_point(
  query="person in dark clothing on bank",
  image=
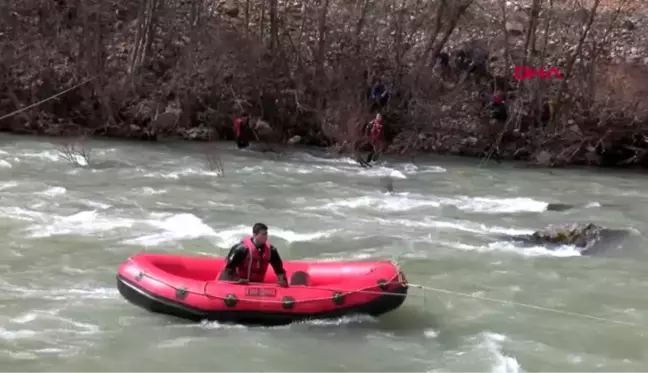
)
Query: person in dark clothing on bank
[
  {"x": 378, "y": 95},
  {"x": 497, "y": 108},
  {"x": 248, "y": 260}
]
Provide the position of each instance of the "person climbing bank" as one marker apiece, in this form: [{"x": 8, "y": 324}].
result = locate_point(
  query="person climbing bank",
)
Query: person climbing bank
[
  {"x": 248, "y": 260},
  {"x": 378, "y": 95},
  {"x": 376, "y": 134}
]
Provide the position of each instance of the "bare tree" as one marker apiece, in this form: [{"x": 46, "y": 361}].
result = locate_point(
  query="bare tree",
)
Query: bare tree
[
  {"x": 146, "y": 25},
  {"x": 574, "y": 56},
  {"x": 213, "y": 161},
  {"x": 76, "y": 151}
]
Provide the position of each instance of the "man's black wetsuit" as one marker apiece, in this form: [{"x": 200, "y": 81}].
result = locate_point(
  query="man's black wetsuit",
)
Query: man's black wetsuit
[{"x": 238, "y": 253}]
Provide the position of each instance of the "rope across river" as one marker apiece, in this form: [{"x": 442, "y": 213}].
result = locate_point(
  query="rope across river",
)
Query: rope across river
[
  {"x": 529, "y": 306},
  {"x": 503, "y": 301},
  {"x": 16, "y": 112}
]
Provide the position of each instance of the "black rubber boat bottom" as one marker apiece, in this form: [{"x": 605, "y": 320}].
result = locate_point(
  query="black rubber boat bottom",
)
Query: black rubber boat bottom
[{"x": 153, "y": 303}]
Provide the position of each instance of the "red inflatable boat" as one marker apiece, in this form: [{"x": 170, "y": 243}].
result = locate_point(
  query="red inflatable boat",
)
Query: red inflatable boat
[{"x": 186, "y": 287}]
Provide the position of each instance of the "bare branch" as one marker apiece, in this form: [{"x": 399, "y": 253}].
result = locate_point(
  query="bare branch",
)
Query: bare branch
[
  {"x": 213, "y": 161},
  {"x": 76, "y": 152}
]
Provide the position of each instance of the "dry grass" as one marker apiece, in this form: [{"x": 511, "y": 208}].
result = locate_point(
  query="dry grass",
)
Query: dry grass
[{"x": 213, "y": 161}]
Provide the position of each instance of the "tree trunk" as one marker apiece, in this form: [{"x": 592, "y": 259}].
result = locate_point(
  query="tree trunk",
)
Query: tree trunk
[
  {"x": 530, "y": 42},
  {"x": 262, "y": 21},
  {"x": 302, "y": 27},
  {"x": 247, "y": 19},
  {"x": 399, "y": 47},
  {"x": 273, "y": 26},
  {"x": 432, "y": 33},
  {"x": 461, "y": 9},
  {"x": 145, "y": 33},
  {"x": 360, "y": 25},
  {"x": 321, "y": 52},
  {"x": 572, "y": 61}
]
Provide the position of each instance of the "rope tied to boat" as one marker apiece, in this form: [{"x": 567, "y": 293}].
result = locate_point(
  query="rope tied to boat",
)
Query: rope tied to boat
[
  {"x": 528, "y": 306},
  {"x": 509, "y": 302}
]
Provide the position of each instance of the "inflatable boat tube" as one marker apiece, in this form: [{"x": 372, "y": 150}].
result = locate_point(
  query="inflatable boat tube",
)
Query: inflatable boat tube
[{"x": 186, "y": 287}]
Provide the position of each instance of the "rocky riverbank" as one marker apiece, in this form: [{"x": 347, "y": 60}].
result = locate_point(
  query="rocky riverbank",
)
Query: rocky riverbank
[{"x": 160, "y": 68}]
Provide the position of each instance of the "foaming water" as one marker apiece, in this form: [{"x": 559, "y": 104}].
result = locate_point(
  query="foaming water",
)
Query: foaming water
[
  {"x": 68, "y": 227},
  {"x": 502, "y": 363},
  {"x": 491, "y": 205},
  {"x": 379, "y": 202}
]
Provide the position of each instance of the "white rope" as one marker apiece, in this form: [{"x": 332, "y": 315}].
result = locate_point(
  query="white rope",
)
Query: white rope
[
  {"x": 327, "y": 298},
  {"x": 261, "y": 300},
  {"x": 45, "y": 100},
  {"x": 530, "y": 306}
]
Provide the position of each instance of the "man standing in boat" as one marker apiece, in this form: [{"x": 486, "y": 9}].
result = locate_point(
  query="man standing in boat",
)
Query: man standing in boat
[{"x": 248, "y": 260}]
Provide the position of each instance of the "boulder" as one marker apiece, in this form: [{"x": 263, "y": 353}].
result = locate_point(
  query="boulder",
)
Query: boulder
[
  {"x": 515, "y": 28},
  {"x": 542, "y": 158},
  {"x": 294, "y": 140},
  {"x": 559, "y": 207},
  {"x": 629, "y": 24},
  {"x": 588, "y": 238},
  {"x": 164, "y": 121},
  {"x": 262, "y": 127},
  {"x": 230, "y": 8},
  {"x": 578, "y": 234},
  {"x": 200, "y": 133}
]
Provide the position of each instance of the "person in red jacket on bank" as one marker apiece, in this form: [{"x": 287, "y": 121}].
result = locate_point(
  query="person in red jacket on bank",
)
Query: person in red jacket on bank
[
  {"x": 376, "y": 132},
  {"x": 240, "y": 128},
  {"x": 248, "y": 260}
]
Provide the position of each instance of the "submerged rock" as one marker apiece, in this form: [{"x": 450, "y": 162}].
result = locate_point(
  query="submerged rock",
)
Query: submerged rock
[
  {"x": 559, "y": 207},
  {"x": 588, "y": 238},
  {"x": 580, "y": 235},
  {"x": 387, "y": 184}
]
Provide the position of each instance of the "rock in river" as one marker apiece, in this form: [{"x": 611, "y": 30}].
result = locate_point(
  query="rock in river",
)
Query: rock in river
[
  {"x": 580, "y": 235},
  {"x": 589, "y": 238}
]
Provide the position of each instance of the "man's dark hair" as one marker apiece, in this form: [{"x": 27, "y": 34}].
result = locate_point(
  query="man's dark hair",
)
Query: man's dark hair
[{"x": 259, "y": 227}]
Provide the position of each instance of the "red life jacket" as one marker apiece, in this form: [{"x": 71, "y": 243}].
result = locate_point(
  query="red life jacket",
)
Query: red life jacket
[
  {"x": 256, "y": 264},
  {"x": 238, "y": 123},
  {"x": 497, "y": 99},
  {"x": 376, "y": 129}
]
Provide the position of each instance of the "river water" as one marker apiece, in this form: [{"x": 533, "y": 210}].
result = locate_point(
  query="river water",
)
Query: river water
[{"x": 66, "y": 229}]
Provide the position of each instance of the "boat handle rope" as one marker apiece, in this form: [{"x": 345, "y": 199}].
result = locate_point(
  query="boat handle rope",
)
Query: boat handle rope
[
  {"x": 341, "y": 292},
  {"x": 424, "y": 288}
]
